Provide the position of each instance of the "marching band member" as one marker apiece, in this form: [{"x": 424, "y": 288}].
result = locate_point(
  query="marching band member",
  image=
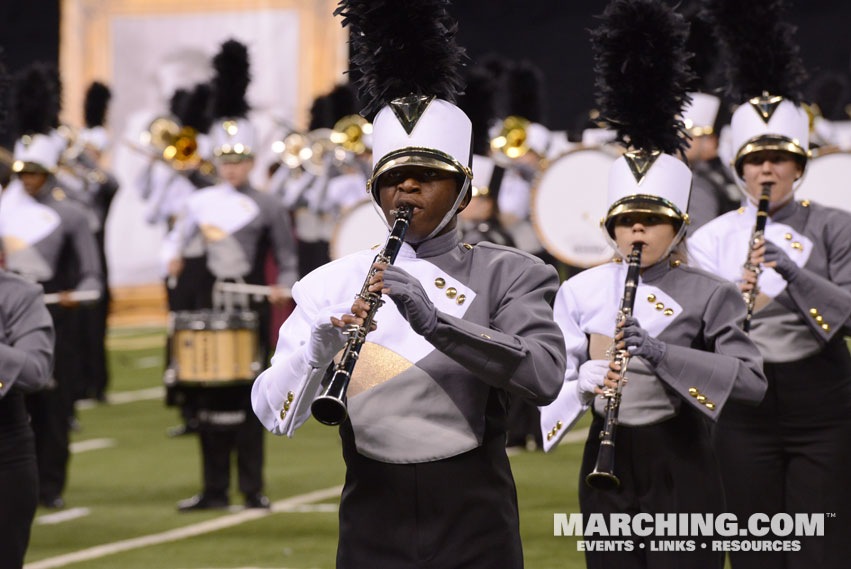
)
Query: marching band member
[
  {"x": 466, "y": 326},
  {"x": 687, "y": 357},
  {"x": 791, "y": 454},
  {"x": 239, "y": 226},
  {"x": 47, "y": 239}
]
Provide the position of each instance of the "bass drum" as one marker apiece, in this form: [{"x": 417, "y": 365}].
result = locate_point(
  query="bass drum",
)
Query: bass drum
[
  {"x": 568, "y": 202},
  {"x": 359, "y": 228},
  {"x": 826, "y": 181}
]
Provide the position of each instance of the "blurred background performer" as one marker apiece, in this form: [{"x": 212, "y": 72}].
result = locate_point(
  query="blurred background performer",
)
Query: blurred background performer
[
  {"x": 713, "y": 191},
  {"x": 240, "y": 226},
  {"x": 791, "y": 454},
  {"x": 688, "y": 356},
  {"x": 47, "y": 239},
  {"x": 466, "y": 326}
]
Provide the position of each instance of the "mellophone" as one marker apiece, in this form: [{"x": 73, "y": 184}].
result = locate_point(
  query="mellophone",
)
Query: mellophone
[{"x": 216, "y": 347}]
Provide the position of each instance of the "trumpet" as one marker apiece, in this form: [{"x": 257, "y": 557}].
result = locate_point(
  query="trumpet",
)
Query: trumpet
[
  {"x": 603, "y": 476},
  {"x": 330, "y": 407},
  {"x": 511, "y": 140},
  {"x": 756, "y": 235}
]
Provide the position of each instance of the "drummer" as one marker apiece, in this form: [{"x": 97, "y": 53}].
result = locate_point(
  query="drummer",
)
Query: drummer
[{"x": 239, "y": 225}]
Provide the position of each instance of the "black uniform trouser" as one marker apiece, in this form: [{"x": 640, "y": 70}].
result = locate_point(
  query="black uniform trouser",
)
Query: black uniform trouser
[
  {"x": 51, "y": 409},
  {"x": 665, "y": 468},
  {"x": 217, "y": 446},
  {"x": 18, "y": 481},
  {"x": 792, "y": 454}
]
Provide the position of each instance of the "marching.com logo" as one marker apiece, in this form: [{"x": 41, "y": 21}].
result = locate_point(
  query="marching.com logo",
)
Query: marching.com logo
[{"x": 684, "y": 526}]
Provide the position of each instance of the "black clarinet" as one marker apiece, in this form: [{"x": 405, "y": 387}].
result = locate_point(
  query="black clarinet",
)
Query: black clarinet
[
  {"x": 603, "y": 476},
  {"x": 330, "y": 407},
  {"x": 758, "y": 233}
]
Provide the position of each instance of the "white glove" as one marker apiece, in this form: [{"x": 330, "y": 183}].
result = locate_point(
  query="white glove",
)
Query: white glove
[
  {"x": 591, "y": 375},
  {"x": 325, "y": 338}
]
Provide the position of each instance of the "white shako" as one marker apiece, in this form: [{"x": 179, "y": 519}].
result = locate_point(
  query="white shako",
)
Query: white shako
[
  {"x": 412, "y": 85},
  {"x": 641, "y": 94}
]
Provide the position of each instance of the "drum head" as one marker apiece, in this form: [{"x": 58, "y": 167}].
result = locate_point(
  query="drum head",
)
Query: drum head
[
  {"x": 826, "y": 181},
  {"x": 359, "y": 228},
  {"x": 568, "y": 202}
]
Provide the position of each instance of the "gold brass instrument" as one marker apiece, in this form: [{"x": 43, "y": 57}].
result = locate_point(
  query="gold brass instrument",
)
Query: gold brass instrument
[
  {"x": 350, "y": 133},
  {"x": 756, "y": 235},
  {"x": 330, "y": 407},
  {"x": 603, "y": 476},
  {"x": 292, "y": 149},
  {"x": 176, "y": 145},
  {"x": 511, "y": 140}
]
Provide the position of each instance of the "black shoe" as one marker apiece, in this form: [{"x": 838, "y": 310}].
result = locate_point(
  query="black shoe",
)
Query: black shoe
[
  {"x": 257, "y": 500},
  {"x": 55, "y": 503},
  {"x": 202, "y": 502}
]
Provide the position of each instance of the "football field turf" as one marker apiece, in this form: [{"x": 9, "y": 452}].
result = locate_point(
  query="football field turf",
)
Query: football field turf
[{"x": 126, "y": 476}]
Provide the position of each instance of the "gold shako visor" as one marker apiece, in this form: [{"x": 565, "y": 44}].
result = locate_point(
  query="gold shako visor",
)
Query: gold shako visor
[
  {"x": 416, "y": 156},
  {"x": 643, "y": 203},
  {"x": 771, "y": 142},
  {"x": 22, "y": 167}
]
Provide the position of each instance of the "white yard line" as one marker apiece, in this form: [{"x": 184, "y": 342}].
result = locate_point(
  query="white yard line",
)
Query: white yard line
[
  {"x": 137, "y": 395},
  {"x": 91, "y": 444},
  {"x": 184, "y": 532},
  {"x": 63, "y": 516}
]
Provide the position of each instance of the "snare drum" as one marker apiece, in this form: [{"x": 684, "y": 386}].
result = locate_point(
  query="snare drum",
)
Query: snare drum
[
  {"x": 826, "y": 181},
  {"x": 211, "y": 348},
  {"x": 568, "y": 202},
  {"x": 360, "y": 227}
]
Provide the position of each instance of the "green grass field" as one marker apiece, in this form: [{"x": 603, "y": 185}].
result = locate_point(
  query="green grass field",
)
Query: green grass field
[{"x": 131, "y": 489}]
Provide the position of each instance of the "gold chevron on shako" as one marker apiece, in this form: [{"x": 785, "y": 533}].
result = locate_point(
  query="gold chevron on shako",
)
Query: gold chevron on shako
[
  {"x": 410, "y": 109},
  {"x": 766, "y": 105},
  {"x": 640, "y": 161}
]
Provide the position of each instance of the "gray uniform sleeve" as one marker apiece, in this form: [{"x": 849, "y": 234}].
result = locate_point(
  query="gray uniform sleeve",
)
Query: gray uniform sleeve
[
  {"x": 731, "y": 368},
  {"x": 284, "y": 245},
  {"x": 825, "y": 302},
  {"x": 91, "y": 274},
  {"x": 26, "y": 360},
  {"x": 523, "y": 349}
]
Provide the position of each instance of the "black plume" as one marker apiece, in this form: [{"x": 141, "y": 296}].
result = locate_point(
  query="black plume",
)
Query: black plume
[
  {"x": 36, "y": 99},
  {"x": 230, "y": 81},
  {"x": 177, "y": 103},
  {"x": 321, "y": 113},
  {"x": 758, "y": 48},
  {"x": 477, "y": 102},
  {"x": 526, "y": 91},
  {"x": 97, "y": 100},
  {"x": 704, "y": 45},
  {"x": 344, "y": 101},
  {"x": 196, "y": 112},
  {"x": 400, "y": 48},
  {"x": 831, "y": 91},
  {"x": 642, "y": 73}
]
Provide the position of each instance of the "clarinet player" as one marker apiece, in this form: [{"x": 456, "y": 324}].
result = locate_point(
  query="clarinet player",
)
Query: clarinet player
[
  {"x": 428, "y": 483},
  {"x": 687, "y": 356}
]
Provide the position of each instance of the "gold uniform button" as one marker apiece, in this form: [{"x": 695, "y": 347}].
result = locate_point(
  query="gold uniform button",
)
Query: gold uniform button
[
  {"x": 439, "y": 282},
  {"x": 813, "y": 312},
  {"x": 486, "y": 337},
  {"x": 1, "y": 385},
  {"x": 805, "y": 203},
  {"x": 283, "y": 414},
  {"x": 788, "y": 236},
  {"x": 286, "y": 405},
  {"x": 675, "y": 263},
  {"x": 693, "y": 391},
  {"x": 820, "y": 319},
  {"x": 651, "y": 298},
  {"x": 467, "y": 246},
  {"x": 710, "y": 405},
  {"x": 798, "y": 246},
  {"x": 669, "y": 312},
  {"x": 549, "y": 436},
  {"x": 660, "y": 306},
  {"x": 451, "y": 292},
  {"x": 741, "y": 210},
  {"x": 558, "y": 425},
  {"x": 701, "y": 398},
  {"x": 825, "y": 327},
  {"x": 461, "y": 298},
  {"x": 290, "y": 396}
]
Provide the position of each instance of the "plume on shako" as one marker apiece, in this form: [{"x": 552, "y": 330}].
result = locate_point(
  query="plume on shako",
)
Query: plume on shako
[
  {"x": 233, "y": 136},
  {"x": 35, "y": 93},
  {"x": 406, "y": 65},
  {"x": 765, "y": 75},
  {"x": 642, "y": 85},
  {"x": 97, "y": 101}
]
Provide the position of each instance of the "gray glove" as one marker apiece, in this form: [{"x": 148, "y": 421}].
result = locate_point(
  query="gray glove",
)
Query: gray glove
[
  {"x": 640, "y": 343},
  {"x": 786, "y": 267},
  {"x": 408, "y": 295}
]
